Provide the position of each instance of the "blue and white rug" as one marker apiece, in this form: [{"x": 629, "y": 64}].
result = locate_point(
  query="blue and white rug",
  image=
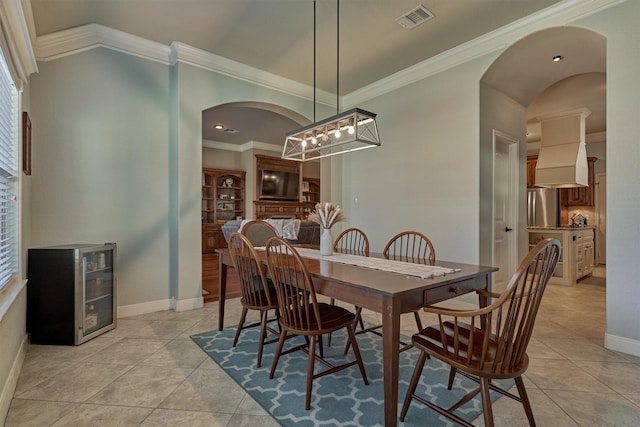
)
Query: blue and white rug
[{"x": 340, "y": 399}]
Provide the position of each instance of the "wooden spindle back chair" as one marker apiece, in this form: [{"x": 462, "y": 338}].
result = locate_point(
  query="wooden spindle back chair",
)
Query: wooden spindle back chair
[
  {"x": 302, "y": 314},
  {"x": 257, "y": 293},
  {"x": 490, "y": 342}
]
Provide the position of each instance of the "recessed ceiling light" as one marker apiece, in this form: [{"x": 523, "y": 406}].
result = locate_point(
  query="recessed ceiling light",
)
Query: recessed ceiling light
[
  {"x": 219, "y": 127},
  {"x": 557, "y": 58}
]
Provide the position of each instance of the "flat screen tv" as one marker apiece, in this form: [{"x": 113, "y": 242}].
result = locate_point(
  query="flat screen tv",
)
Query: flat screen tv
[{"x": 279, "y": 185}]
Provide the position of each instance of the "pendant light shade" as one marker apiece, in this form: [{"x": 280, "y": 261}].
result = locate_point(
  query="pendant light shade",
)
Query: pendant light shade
[{"x": 348, "y": 131}]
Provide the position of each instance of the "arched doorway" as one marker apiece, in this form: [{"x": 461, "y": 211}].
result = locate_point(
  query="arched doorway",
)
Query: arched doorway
[{"x": 510, "y": 86}]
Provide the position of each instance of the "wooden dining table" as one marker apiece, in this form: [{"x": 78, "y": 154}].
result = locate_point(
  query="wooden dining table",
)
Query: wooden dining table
[{"x": 387, "y": 293}]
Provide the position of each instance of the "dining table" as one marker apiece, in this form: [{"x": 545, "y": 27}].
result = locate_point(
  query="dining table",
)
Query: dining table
[{"x": 390, "y": 293}]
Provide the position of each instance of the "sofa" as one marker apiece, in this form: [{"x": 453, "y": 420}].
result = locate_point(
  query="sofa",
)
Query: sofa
[{"x": 308, "y": 233}]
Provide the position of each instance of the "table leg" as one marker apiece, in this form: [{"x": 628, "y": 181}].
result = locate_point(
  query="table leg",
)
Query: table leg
[
  {"x": 222, "y": 292},
  {"x": 391, "y": 360}
]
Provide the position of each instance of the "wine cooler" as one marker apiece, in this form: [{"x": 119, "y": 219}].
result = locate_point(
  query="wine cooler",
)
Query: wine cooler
[{"x": 71, "y": 293}]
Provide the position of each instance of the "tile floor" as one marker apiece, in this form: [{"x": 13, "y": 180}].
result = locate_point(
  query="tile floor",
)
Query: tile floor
[{"x": 147, "y": 372}]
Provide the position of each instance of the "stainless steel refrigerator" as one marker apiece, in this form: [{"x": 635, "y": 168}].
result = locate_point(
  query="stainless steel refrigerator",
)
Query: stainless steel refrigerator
[{"x": 543, "y": 207}]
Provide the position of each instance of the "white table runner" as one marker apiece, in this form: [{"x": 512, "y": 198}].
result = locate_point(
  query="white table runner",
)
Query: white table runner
[{"x": 401, "y": 267}]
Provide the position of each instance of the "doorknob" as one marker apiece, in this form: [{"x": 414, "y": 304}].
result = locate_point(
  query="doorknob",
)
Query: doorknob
[{"x": 508, "y": 229}]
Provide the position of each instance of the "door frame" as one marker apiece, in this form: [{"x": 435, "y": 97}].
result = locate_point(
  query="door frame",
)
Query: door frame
[{"x": 513, "y": 145}]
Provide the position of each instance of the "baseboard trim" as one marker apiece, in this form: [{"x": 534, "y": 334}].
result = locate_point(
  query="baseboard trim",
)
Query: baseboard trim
[
  {"x": 187, "y": 304},
  {"x": 143, "y": 308},
  {"x": 12, "y": 380},
  {"x": 160, "y": 305},
  {"x": 622, "y": 344}
]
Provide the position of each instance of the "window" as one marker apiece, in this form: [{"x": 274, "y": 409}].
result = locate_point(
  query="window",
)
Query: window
[{"x": 8, "y": 175}]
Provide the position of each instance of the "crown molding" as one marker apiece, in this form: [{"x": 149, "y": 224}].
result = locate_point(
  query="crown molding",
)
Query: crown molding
[
  {"x": 181, "y": 52},
  {"x": 15, "y": 38},
  {"x": 560, "y": 14},
  {"x": 90, "y": 36},
  {"x": 69, "y": 42},
  {"x": 251, "y": 145}
]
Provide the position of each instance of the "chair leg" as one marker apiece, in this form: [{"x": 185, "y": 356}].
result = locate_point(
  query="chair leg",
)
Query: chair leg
[
  {"x": 312, "y": 357},
  {"x": 243, "y": 317},
  {"x": 415, "y": 378},
  {"x": 418, "y": 320},
  {"x": 332, "y": 302},
  {"x": 276, "y": 355},
  {"x": 358, "y": 320},
  {"x": 525, "y": 400},
  {"x": 263, "y": 335},
  {"x": 356, "y": 352},
  {"x": 486, "y": 402},
  {"x": 452, "y": 376}
]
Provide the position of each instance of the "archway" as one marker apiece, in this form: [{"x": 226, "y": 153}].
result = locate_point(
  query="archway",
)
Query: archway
[{"x": 509, "y": 87}]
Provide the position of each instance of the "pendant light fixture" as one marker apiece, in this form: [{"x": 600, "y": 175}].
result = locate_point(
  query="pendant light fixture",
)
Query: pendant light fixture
[{"x": 348, "y": 131}]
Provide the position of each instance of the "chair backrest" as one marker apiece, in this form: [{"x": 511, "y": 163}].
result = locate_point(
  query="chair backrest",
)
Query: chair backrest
[
  {"x": 258, "y": 232},
  {"x": 512, "y": 315},
  {"x": 297, "y": 301},
  {"x": 411, "y": 246},
  {"x": 253, "y": 282},
  {"x": 352, "y": 241}
]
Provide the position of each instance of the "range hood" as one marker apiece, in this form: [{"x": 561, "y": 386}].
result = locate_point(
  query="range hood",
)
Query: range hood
[{"x": 562, "y": 161}]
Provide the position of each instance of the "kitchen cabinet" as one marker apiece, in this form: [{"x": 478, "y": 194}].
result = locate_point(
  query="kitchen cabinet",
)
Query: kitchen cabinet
[
  {"x": 577, "y": 256},
  {"x": 531, "y": 171},
  {"x": 585, "y": 254},
  {"x": 580, "y": 196}
]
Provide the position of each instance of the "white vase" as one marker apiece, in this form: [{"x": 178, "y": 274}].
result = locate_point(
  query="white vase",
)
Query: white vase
[{"x": 326, "y": 242}]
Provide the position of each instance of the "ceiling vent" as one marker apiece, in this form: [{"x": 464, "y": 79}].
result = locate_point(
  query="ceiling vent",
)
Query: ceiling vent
[
  {"x": 415, "y": 17},
  {"x": 228, "y": 130}
]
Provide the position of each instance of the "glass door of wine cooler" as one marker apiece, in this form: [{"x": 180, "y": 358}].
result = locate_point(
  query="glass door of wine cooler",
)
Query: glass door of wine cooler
[{"x": 97, "y": 282}]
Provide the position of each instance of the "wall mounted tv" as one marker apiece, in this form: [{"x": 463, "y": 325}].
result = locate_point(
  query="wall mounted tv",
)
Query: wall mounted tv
[{"x": 279, "y": 185}]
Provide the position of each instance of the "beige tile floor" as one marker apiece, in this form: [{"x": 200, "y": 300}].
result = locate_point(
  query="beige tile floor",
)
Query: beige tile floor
[{"x": 147, "y": 372}]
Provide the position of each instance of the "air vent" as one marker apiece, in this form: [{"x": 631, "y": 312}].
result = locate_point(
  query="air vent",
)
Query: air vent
[
  {"x": 231, "y": 130},
  {"x": 415, "y": 17}
]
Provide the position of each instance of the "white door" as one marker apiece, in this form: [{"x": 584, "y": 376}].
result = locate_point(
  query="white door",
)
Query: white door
[
  {"x": 505, "y": 185},
  {"x": 601, "y": 209}
]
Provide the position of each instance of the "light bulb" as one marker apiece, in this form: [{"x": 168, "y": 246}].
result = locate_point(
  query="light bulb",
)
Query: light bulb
[
  {"x": 304, "y": 143},
  {"x": 338, "y": 134},
  {"x": 314, "y": 141},
  {"x": 351, "y": 130}
]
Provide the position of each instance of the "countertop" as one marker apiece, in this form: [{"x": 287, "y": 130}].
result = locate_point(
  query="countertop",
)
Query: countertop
[{"x": 564, "y": 227}]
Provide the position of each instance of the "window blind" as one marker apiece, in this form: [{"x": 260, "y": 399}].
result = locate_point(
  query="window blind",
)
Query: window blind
[{"x": 8, "y": 174}]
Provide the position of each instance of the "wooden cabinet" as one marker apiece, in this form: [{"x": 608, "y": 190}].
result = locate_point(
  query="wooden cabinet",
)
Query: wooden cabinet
[
  {"x": 531, "y": 171},
  {"x": 278, "y": 209},
  {"x": 580, "y": 196},
  {"x": 223, "y": 199},
  {"x": 310, "y": 193}
]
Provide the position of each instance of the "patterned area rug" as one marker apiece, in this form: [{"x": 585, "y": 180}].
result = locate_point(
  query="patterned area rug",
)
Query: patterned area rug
[{"x": 339, "y": 399}]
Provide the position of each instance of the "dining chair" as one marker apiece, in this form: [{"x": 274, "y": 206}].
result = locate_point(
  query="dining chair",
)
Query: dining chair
[
  {"x": 258, "y": 232},
  {"x": 302, "y": 314},
  {"x": 257, "y": 291},
  {"x": 490, "y": 342},
  {"x": 351, "y": 241},
  {"x": 410, "y": 246}
]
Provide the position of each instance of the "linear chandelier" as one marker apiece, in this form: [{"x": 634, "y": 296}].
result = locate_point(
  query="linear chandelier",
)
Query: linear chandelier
[{"x": 351, "y": 130}]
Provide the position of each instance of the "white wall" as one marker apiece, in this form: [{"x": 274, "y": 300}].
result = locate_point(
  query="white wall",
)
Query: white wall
[
  {"x": 619, "y": 25},
  {"x": 425, "y": 174},
  {"x": 100, "y": 163}
]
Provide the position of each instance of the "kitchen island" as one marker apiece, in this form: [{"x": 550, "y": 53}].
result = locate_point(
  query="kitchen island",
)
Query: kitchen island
[{"x": 578, "y": 255}]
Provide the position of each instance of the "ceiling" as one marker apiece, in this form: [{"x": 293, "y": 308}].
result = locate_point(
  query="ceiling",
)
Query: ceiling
[{"x": 277, "y": 36}]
